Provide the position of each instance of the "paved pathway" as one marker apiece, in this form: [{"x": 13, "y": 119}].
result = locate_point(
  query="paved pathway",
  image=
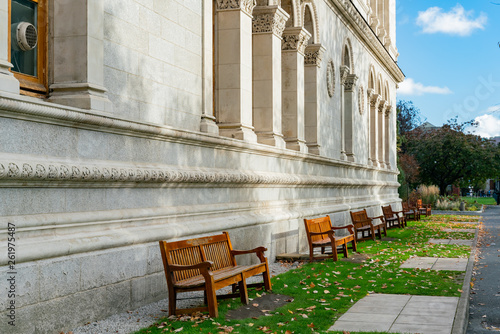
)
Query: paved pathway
[
  {"x": 451, "y": 242},
  {"x": 435, "y": 263},
  {"x": 399, "y": 314},
  {"x": 484, "y": 314}
]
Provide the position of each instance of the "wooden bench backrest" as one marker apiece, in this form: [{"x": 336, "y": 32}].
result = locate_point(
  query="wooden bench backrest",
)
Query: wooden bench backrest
[
  {"x": 387, "y": 210},
  {"x": 321, "y": 224},
  {"x": 405, "y": 206},
  {"x": 360, "y": 218},
  {"x": 419, "y": 203},
  {"x": 215, "y": 248}
]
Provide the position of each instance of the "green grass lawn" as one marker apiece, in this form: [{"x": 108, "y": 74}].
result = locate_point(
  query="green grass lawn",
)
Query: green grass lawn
[
  {"x": 480, "y": 200},
  {"x": 323, "y": 291}
]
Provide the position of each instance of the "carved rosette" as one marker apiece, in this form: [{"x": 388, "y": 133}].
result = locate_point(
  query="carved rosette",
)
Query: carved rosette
[
  {"x": 269, "y": 19},
  {"x": 330, "y": 78},
  {"x": 295, "y": 39},
  {"x": 350, "y": 82},
  {"x": 314, "y": 54},
  {"x": 361, "y": 100},
  {"x": 375, "y": 100},
  {"x": 245, "y": 5}
]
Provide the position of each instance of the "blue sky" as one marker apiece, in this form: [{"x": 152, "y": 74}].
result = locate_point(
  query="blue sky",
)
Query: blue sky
[{"x": 450, "y": 55}]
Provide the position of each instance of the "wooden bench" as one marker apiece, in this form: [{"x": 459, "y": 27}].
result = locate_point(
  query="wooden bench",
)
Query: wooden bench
[
  {"x": 393, "y": 218},
  {"x": 208, "y": 264},
  {"x": 364, "y": 225},
  {"x": 410, "y": 212},
  {"x": 321, "y": 234},
  {"x": 424, "y": 209}
]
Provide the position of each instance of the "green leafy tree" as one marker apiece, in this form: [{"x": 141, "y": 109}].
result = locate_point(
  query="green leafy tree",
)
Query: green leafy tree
[
  {"x": 449, "y": 155},
  {"x": 408, "y": 119}
]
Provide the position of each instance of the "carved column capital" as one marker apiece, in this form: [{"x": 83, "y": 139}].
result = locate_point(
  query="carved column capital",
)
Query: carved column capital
[
  {"x": 350, "y": 82},
  {"x": 267, "y": 19},
  {"x": 314, "y": 54},
  {"x": 295, "y": 39},
  {"x": 369, "y": 93},
  {"x": 375, "y": 99},
  {"x": 388, "y": 110},
  {"x": 382, "y": 106},
  {"x": 344, "y": 72},
  {"x": 246, "y": 6}
]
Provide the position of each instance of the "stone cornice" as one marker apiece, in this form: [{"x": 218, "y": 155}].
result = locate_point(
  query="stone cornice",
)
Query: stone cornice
[
  {"x": 246, "y": 6},
  {"x": 268, "y": 19},
  {"x": 361, "y": 27},
  {"x": 314, "y": 54},
  {"x": 295, "y": 39},
  {"x": 35, "y": 171}
]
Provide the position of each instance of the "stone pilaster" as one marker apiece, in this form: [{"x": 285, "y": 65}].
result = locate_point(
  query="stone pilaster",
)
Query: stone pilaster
[
  {"x": 268, "y": 25},
  {"x": 313, "y": 58},
  {"x": 374, "y": 101},
  {"x": 234, "y": 69},
  {"x": 8, "y": 83},
  {"x": 349, "y": 114},
  {"x": 78, "y": 55},
  {"x": 381, "y": 135},
  {"x": 387, "y": 140},
  {"x": 293, "y": 104}
]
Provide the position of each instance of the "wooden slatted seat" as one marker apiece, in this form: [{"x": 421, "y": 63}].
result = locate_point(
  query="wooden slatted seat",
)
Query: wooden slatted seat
[
  {"x": 208, "y": 264},
  {"x": 424, "y": 209},
  {"x": 364, "y": 225},
  {"x": 393, "y": 218},
  {"x": 321, "y": 234}
]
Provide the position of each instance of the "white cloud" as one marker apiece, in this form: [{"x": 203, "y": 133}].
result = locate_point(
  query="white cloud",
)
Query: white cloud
[
  {"x": 457, "y": 21},
  {"x": 488, "y": 126},
  {"x": 410, "y": 87}
]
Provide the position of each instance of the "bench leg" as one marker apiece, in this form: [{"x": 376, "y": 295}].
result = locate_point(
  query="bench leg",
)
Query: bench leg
[
  {"x": 266, "y": 277},
  {"x": 213, "y": 308},
  {"x": 243, "y": 291},
  {"x": 172, "y": 298},
  {"x": 354, "y": 246}
]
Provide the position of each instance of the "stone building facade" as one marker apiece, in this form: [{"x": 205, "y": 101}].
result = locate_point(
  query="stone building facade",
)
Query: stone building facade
[{"x": 139, "y": 120}]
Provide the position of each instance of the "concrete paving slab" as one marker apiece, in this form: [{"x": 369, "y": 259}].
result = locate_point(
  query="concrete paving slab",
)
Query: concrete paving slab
[
  {"x": 374, "y": 309},
  {"x": 425, "y": 319},
  {"x": 422, "y": 328},
  {"x": 360, "y": 326},
  {"x": 467, "y": 230},
  {"x": 470, "y": 222},
  {"x": 450, "y": 264},
  {"x": 440, "y": 241},
  {"x": 369, "y": 318},
  {"x": 419, "y": 262},
  {"x": 461, "y": 242}
]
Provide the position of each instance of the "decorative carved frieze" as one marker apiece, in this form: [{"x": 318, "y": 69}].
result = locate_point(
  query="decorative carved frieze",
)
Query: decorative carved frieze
[
  {"x": 350, "y": 82},
  {"x": 63, "y": 174},
  {"x": 245, "y": 5},
  {"x": 269, "y": 19},
  {"x": 375, "y": 100},
  {"x": 314, "y": 54},
  {"x": 330, "y": 78},
  {"x": 295, "y": 39}
]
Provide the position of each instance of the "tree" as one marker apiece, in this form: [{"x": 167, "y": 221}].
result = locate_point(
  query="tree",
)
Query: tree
[
  {"x": 408, "y": 118},
  {"x": 448, "y": 155}
]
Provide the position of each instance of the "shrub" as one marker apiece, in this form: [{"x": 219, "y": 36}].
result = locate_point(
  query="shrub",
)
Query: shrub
[
  {"x": 429, "y": 194},
  {"x": 446, "y": 204}
]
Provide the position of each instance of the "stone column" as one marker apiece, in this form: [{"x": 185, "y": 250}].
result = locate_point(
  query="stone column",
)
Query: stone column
[
  {"x": 373, "y": 101},
  {"x": 268, "y": 25},
  {"x": 344, "y": 72},
  {"x": 8, "y": 83},
  {"x": 381, "y": 136},
  {"x": 293, "y": 47},
  {"x": 387, "y": 140},
  {"x": 313, "y": 56},
  {"x": 234, "y": 69},
  {"x": 207, "y": 123},
  {"x": 77, "y": 61},
  {"x": 348, "y": 98}
]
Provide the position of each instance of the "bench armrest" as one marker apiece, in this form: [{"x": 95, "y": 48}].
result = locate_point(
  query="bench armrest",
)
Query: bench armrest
[
  {"x": 379, "y": 217},
  {"x": 348, "y": 227},
  {"x": 201, "y": 265},
  {"x": 259, "y": 251}
]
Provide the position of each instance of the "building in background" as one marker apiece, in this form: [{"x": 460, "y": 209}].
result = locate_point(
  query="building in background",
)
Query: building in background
[{"x": 126, "y": 122}]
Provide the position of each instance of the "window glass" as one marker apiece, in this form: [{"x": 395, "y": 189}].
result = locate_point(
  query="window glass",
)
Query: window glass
[{"x": 24, "y": 62}]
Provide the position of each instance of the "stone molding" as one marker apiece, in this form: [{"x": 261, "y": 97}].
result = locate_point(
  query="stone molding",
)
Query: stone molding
[
  {"x": 37, "y": 171},
  {"x": 375, "y": 99},
  {"x": 350, "y": 82},
  {"x": 269, "y": 19},
  {"x": 344, "y": 72},
  {"x": 246, "y": 6},
  {"x": 314, "y": 54},
  {"x": 295, "y": 39},
  {"x": 356, "y": 20}
]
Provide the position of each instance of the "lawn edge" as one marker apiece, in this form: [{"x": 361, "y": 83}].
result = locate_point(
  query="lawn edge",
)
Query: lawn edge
[{"x": 462, "y": 314}]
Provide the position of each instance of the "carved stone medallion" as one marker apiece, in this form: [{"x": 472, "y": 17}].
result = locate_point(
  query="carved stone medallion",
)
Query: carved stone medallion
[
  {"x": 330, "y": 78},
  {"x": 361, "y": 100}
]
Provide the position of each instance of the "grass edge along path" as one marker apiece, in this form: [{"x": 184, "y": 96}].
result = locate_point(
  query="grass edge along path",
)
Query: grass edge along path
[{"x": 323, "y": 291}]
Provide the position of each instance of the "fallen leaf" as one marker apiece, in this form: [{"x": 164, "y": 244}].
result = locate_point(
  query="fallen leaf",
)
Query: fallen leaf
[{"x": 178, "y": 330}]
